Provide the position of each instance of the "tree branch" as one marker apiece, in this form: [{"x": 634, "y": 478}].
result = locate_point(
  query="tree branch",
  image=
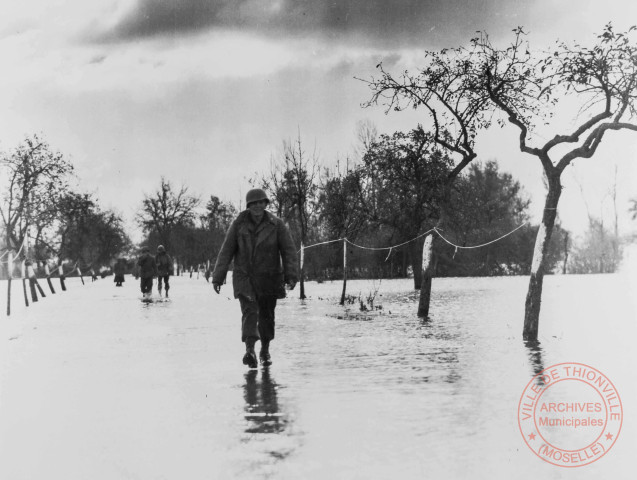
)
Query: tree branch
[{"x": 593, "y": 141}]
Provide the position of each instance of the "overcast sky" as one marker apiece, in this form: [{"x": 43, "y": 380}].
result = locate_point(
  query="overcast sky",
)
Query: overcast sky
[{"x": 204, "y": 92}]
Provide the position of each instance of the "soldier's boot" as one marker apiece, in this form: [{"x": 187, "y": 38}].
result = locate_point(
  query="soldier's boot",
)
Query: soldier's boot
[
  {"x": 264, "y": 354},
  {"x": 250, "y": 357}
]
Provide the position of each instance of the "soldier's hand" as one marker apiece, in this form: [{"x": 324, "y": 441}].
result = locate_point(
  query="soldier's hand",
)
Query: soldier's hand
[
  {"x": 291, "y": 284},
  {"x": 217, "y": 287}
]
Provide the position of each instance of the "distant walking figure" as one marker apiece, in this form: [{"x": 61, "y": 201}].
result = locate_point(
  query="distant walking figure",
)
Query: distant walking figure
[
  {"x": 147, "y": 269},
  {"x": 119, "y": 269},
  {"x": 264, "y": 260},
  {"x": 164, "y": 268}
]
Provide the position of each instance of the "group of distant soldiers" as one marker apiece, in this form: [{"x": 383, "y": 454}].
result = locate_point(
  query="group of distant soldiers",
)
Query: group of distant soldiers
[
  {"x": 148, "y": 267},
  {"x": 160, "y": 266}
]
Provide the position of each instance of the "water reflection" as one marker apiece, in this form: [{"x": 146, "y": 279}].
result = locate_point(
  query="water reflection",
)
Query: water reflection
[
  {"x": 261, "y": 403},
  {"x": 535, "y": 355}
]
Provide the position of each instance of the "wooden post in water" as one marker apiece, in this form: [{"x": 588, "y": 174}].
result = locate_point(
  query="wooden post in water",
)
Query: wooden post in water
[
  {"x": 9, "y": 275},
  {"x": 34, "y": 293},
  {"x": 38, "y": 286},
  {"x": 24, "y": 285},
  {"x": 61, "y": 273},
  {"x": 344, "y": 271},
  {"x": 427, "y": 274},
  {"x": 28, "y": 271},
  {"x": 33, "y": 278},
  {"x": 48, "y": 277},
  {"x": 302, "y": 284}
]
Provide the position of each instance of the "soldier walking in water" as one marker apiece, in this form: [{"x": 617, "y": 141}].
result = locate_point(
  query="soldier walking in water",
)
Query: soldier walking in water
[
  {"x": 147, "y": 269},
  {"x": 164, "y": 269},
  {"x": 264, "y": 260}
]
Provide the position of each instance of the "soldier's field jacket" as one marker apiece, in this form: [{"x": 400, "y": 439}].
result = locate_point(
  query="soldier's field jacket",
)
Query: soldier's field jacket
[{"x": 264, "y": 257}]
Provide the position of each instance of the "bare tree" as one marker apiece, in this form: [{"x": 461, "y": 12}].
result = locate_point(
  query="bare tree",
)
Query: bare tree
[
  {"x": 366, "y": 135},
  {"x": 166, "y": 209},
  {"x": 301, "y": 180},
  {"x": 293, "y": 182},
  {"x": 274, "y": 182},
  {"x": 36, "y": 177}
]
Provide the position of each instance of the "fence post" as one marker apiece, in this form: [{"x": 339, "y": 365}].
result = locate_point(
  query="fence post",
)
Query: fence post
[
  {"x": 33, "y": 278},
  {"x": 48, "y": 277},
  {"x": 9, "y": 275},
  {"x": 61, "y": 273},
  {"x": 301, "y": 276},
  {"x": 344, "y": 270},
  {"x": 24, "y": 285}
]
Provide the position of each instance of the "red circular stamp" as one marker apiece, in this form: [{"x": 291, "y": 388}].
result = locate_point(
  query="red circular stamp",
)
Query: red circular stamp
[{"x": 570, "y": 414}]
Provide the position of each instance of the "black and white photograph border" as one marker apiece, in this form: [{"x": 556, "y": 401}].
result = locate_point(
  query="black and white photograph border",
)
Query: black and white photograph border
[{"x": 318, "y": 239}]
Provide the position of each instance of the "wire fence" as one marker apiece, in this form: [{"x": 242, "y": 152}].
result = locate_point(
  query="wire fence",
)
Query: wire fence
[
  {"x": 434, "y": 230},
  {"x": 390, "y": 248}
]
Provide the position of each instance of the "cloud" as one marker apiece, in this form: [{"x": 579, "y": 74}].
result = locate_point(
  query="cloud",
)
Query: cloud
[
  {"x": 98, "y": 59},
  {"x": 403, "y": 22},
  {"x": 149, "y": 18}
]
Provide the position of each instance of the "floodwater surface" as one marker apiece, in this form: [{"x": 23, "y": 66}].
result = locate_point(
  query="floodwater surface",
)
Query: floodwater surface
[{"x": 96, "y": 385}]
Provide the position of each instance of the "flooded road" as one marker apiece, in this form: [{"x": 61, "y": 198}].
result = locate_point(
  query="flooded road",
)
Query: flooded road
[{"x": 94, "y": 384}]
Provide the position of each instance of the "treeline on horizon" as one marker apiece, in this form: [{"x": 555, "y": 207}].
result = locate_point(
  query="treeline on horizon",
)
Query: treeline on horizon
[{"x": 388, "y": 193}]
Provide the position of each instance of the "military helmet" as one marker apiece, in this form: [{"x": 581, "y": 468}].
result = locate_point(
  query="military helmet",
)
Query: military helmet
[
  {"x": 161, "y": 249},
  {"x": 255, "y": 195}
]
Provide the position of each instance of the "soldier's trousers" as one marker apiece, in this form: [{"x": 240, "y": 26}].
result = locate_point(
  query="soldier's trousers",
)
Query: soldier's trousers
[
  {"x": 257, "y": 318},
  {"x": 146, "y": 285},
  {"x": 165, "y": 279}
]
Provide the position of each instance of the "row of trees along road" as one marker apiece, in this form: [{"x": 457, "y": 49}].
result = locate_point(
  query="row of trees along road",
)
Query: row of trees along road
[
  {"x": 464, "y": 90},
  {"x": 44, "y": 218}
]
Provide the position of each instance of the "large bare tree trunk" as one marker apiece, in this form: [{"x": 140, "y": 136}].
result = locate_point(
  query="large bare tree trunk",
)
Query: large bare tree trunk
[
  {"x": 427, "y": 275},
  {"x": 534, "y": 294}
]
